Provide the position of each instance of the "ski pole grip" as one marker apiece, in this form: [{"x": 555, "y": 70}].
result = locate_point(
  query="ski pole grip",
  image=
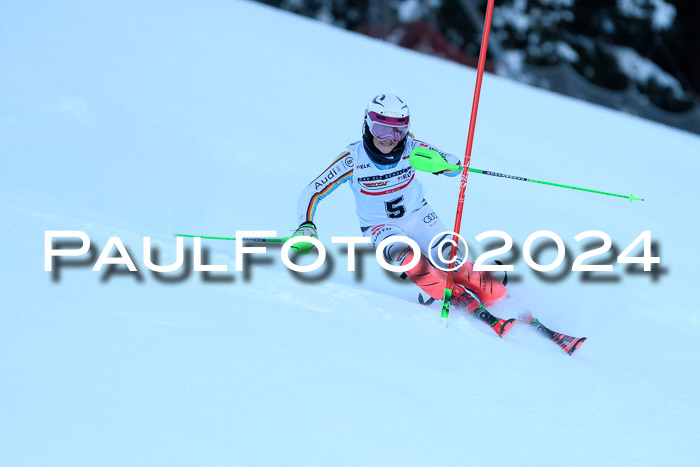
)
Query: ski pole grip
[{"x": 427, "y": 160}]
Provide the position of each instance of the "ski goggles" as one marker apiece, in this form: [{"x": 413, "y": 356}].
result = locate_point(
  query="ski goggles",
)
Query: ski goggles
[{"x": 392, "y": 128}]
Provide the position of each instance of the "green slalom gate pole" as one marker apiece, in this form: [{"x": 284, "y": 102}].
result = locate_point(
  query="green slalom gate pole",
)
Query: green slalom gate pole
[{"x": 427, "y": 160}]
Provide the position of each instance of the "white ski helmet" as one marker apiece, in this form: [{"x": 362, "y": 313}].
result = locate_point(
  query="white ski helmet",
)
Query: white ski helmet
[{"x": 388, "y": 117}]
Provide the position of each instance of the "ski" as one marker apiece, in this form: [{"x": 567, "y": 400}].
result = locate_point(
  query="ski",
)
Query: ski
[
  {"x": 569, "y": 344},
  {"x": 473, "y": 306}
]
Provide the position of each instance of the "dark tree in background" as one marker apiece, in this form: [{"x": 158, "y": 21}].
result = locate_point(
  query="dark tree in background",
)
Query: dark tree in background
[
  {"x": 649, "y": 45},
  {"x": 614, "y": 44},
  {"x": 348, "y": 14}
]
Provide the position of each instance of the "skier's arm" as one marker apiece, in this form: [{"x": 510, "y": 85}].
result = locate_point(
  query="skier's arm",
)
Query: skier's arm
[
  {"x": 339, "y": 172},
  {"x": 451, "y": 158}
]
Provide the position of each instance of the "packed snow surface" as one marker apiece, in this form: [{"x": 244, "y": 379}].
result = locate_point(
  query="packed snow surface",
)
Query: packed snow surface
[{"x": 138, "y": 119}]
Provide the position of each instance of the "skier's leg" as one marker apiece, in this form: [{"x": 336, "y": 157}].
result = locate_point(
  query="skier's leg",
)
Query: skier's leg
[
  {"x": 425, "y": 228},
  {"x": 430, "y": 279},
  {"x": 429, "y": 232},
  {"x": 483, "y": 283},
  {"x": 426, "y": 276}
]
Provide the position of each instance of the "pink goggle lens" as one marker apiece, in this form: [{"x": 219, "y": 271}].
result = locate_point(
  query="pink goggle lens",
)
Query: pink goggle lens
[
  {"x": 393, "y": 128},
  {"x": 388, "y": 132}
]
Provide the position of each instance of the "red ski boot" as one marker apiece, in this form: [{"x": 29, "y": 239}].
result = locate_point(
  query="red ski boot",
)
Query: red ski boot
[{"x": 467, "y": 302}]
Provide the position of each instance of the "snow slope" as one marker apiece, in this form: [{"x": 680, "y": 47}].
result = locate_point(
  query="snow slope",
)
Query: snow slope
[{"x": 129, "y": 119}]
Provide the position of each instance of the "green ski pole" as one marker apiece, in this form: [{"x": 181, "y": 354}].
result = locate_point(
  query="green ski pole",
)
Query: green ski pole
[
  {"x": 630, "y": 197},
  {"x": 244, "y": 239},
  {"x": 428, "y": 160},
  {"x": 299, "y": 247}
]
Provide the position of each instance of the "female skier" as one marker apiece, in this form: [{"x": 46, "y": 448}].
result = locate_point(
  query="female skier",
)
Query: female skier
[{"x": 390, "y": 202}]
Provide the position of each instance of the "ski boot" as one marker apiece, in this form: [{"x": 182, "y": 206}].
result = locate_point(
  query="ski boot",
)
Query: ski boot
[{"x": 471, "y": 305}]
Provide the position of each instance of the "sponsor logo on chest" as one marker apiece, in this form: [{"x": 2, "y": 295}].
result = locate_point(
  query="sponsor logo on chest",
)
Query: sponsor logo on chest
[
  {"x": 398, "y": 175},
  {"x": 374, "y": 181}
]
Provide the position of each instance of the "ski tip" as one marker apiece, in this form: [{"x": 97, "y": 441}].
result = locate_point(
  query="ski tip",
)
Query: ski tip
[
  {"x": 502, "y": 326},
  {"x": 575, "y": 346}
]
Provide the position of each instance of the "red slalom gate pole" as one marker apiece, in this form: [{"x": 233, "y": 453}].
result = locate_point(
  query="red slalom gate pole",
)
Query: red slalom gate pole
[{"x": 468, "y": 155}]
